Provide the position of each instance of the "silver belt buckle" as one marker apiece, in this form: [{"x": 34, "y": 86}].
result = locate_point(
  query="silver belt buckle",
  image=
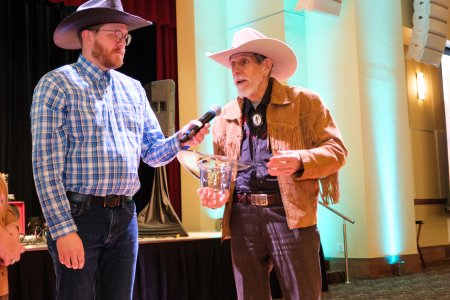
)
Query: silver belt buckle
[{"x": 259, "y": 199}]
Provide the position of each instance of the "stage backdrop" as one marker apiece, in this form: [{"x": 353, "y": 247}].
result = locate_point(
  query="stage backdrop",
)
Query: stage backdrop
[{"x": 27, "y": 52}]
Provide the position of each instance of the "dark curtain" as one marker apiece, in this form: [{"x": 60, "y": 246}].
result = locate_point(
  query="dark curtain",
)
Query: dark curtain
[{"x": 27, "y": 52}]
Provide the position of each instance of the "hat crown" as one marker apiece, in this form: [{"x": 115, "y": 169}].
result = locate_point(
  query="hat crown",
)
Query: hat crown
[
  {"x": 246, "y": 35},
  {"x": 112, "y": 4},
  {"x": 251, "y": 40}
]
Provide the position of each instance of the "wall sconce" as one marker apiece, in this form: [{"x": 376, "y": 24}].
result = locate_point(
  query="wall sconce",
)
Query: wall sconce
[{"x": 421, "y": 87}]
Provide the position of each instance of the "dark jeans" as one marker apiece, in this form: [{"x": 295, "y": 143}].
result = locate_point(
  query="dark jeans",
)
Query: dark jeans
[
  {"x": 260, "y": 241},
  {"x": 110, "y": 240}
]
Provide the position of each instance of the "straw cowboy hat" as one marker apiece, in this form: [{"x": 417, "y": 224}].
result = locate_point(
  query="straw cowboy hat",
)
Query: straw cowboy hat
[
  {"x": 91, "y": 13},
  {"x": 250, "y": 40}
]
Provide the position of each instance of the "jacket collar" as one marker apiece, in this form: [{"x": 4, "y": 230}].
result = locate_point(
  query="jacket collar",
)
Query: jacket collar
[{"x": 279, "y": 93}]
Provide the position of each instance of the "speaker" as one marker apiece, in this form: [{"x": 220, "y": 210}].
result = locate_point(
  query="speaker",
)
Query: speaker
[
  {"x": 429, "y": 32},
  {"x": 327, "y": 6},
  {"x": 161, "y": 94}
]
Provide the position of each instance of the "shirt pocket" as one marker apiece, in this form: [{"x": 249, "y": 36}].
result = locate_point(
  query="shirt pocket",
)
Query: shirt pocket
[
  {"x": 86, "y": 115},
  {"x": 131, "y": 117}
]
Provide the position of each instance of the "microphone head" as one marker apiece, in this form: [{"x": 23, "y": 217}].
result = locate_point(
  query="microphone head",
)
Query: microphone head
[{"x": 216, "y": 109}]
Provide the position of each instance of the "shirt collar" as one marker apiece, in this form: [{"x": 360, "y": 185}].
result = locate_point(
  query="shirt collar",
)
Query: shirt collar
[{"x": 92, "y": 70}]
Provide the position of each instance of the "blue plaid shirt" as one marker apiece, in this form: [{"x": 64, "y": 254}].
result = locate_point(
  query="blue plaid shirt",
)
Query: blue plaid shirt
[{"x": 89, "y": 129}]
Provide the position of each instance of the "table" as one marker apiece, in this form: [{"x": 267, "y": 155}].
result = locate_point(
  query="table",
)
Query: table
[{"x": 194, "y": 267}]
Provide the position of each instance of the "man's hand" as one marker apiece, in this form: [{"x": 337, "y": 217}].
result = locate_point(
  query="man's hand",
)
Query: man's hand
[
  {"x": 10, "y": 248},
  {"x": 71, "y": 251},
  {"x": 13, "y": 230},
  {"x": 196, "y": 139},
  {"x": 3, "y": 191},
  {"x": 213, "y": 199},
  {"x": 284, "y": 163}
]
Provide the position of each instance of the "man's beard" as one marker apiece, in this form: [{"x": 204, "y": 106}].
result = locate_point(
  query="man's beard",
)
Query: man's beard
[
  {"x": 107, "y": 59},
  {"x": 250, "y": 90}
]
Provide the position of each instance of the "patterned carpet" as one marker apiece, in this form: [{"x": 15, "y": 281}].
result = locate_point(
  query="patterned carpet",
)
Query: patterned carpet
[{"x": 433, "y": 282}]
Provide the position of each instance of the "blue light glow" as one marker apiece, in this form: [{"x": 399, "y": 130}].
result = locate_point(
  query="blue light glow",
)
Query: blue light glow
[
  {"x": 383, "y": 120},
  {"x": 384, "y": 109},
  {"x": 393, "y": 259}
]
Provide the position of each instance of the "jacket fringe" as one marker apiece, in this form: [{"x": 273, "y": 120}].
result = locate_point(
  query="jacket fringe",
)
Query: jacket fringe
[
  {"x": 309, "y": 135},
  {"x": 286, "y": 137},
  {"x": 329, "y": 189},
  {"x": 304, "y": 138}
]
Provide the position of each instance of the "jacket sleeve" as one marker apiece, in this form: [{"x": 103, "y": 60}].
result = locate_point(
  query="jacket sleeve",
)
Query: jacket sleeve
[
  {"x": 325, "y": 152},
  {"x": 219, "y": 136}
]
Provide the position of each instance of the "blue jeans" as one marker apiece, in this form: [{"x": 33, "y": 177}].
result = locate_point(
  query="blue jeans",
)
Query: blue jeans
[
  {"x": 260, "y": 241},
  {"x": 110, "y": 240}
]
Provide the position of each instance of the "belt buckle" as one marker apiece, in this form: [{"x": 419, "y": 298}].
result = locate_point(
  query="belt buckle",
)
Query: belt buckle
[
  {"x": 111, "y": 201},
  {"x": 259, "y": 199}
]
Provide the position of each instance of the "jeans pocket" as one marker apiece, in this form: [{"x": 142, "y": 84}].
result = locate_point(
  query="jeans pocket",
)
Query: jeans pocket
[
  {"x": 130, "y": 207},
  {"x": 77, "y": 209}
]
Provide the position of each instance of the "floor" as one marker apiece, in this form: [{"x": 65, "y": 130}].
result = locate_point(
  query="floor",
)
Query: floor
[{"x": 433, "y": 282}]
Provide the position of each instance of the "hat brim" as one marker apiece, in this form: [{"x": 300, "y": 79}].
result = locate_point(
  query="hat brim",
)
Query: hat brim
[
  {"x": 66, "y": 33},
  {"x": 284, "y": 58}
]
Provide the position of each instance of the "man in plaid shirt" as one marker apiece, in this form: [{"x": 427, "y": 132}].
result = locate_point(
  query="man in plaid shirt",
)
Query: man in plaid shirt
[{"x": 90, "y": 127}]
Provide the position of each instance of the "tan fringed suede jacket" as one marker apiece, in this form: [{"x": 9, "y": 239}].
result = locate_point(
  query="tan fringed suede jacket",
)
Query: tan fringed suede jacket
[{"x": 296, "y": 120}]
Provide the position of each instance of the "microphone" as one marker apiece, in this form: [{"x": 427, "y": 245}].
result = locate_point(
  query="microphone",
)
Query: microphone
[{"x": 198, "y": 124}]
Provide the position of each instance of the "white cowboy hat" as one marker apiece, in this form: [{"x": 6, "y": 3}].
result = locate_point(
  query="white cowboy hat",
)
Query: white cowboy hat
[
  {"x": 250, "y": 40},
  {"x": 91, "y": 13}
]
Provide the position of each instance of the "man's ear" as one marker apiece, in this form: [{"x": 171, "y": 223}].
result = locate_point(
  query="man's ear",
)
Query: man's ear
[
  {"x": 268, "y": 63},
  {"x": 87, "y": 37}
]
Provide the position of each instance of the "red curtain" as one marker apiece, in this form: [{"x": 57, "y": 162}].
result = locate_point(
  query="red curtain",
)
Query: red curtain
[{"x": 163, "y": 16}]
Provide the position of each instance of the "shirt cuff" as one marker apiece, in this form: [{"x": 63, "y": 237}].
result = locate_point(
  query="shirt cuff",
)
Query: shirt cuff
[{"x": 62, "y": 229}]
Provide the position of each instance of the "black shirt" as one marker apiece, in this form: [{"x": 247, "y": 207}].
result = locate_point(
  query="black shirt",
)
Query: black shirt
[{"x": 255, "y": 149}]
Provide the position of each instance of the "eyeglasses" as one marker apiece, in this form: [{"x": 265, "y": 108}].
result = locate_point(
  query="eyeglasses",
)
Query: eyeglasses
[{"x": 118, "y": 35}]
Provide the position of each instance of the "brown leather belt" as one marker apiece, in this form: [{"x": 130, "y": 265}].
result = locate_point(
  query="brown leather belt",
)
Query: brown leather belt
[
  {"x": 259, "y": 199},
  {"x": 106, "y": 201}
]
